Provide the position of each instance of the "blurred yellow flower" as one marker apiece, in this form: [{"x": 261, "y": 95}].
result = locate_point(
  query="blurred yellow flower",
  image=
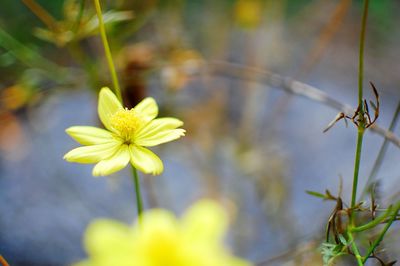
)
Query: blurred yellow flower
[
  {"x": 162, "y": 240},
  {"x": 127, "y": 133},
  {"x": 248, "y": 13}
]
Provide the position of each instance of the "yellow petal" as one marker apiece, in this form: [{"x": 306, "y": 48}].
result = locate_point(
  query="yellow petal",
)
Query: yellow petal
[
  {"x": 205, "y": 221},
  {"x": 161, "y": 137},
  {"x": 159, "y": 238},
  {"x": 237, "y": 261},
  {"x": 86, "y": 135},
  {"x": 109, "y": 242},
  {"x": 93, "y": 153},
  {"x": 159, "y": 124},
  {"x": 154, "y": 221},
  {"x": 108, "y": 105},
  {"x": 101, "y": 232},
  {"x": 147, "y": 109},
  {"x": 159, "y": 131},
  {"x": 145, "y": 160},
  {"x": 158, "y": 241},
  {"x": 113, "y": 164}
]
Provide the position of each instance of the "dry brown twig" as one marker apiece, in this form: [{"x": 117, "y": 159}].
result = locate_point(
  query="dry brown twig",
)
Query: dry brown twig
[
  {"x": 291, "y": 86},
  {"x": 360, "y": 116},
  {"x": 330, "y": 29},
  {"x": 3, "y": 261}
]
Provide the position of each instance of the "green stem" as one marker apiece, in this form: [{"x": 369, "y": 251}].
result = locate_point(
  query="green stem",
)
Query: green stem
[
  {"x": 361, "y": 125},
  {"x": 382, "y": 234},
  {"x": 354, "y": 247},
  {"x": 361, "y": 55},
  {"x": 373, "y": 223},
  {"x": 107, "y": 51},
  {"x": 357, "y": 161},
  {"x": 139, "y": 202}
]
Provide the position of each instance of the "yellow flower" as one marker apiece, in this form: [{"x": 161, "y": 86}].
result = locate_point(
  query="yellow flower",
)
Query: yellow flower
[
  {"x": 162, "y": 240},
  {"x": 248, "y": 13},
  {"x": 127, "y": 133}
]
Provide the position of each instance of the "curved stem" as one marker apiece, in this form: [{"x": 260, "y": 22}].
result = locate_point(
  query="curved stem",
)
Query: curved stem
[
  {"x": 107, "y": 51},
  {"x": 382, "y": 234},
  {"x": 373, "y": 223},
  {"x": 139, "y": 202}
]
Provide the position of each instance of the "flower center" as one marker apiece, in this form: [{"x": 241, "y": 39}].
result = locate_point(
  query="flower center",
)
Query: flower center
[{"x": 126, "y": 122}]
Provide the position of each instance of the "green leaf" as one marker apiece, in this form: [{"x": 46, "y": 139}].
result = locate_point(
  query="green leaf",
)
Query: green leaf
[{"x": 316, "y": 194}]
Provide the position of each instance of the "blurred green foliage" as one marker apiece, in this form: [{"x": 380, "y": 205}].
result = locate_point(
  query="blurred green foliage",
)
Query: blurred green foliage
[{"x": 19, "y": 21}]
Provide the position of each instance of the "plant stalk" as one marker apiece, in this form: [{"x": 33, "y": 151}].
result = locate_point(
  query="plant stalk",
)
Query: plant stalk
[
  {"x": 139, "y": 202},
  {"x": 361, "y": 55},
  {"x": 355, "y": 249},
  {"x": 382, "y": 234},
  {"x": 373, "y": 223},
  {"x": 360, "y": 136},
  {"x": 361, "y": 122},
  {"x": 107, "y": 51}
]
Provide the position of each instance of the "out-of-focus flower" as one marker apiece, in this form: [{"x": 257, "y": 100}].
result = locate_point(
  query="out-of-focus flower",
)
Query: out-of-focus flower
[
  {"x": 159, "y": 239},
  {"x": 248, "y": 13},
  {"x": 127, "y": 133},
  {"x": 14, "y": 97}
]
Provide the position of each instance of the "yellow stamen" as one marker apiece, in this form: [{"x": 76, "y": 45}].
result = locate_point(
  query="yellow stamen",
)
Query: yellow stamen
[{"x": 126, "y": 122}]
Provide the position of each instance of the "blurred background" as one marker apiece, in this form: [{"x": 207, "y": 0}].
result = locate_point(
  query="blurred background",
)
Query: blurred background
[{"x": 219, "y": 66}]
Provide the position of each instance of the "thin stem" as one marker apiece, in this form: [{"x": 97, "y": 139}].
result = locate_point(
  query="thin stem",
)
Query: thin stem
[
  {"x": 361, "y": 125},
  {"x": 361, "y": 55},
  {"x": 372, "y": 223},
  {"x": 357, "y": 161},
  {"x": 139, "y": 202},
  {"x": 354, "y": 247},
  {"x": 286, "y": 84},
  {"x": 107, "y": 51},
  {"x": 382, "y": 234}
]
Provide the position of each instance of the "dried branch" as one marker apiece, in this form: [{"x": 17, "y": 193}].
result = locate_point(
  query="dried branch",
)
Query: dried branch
[
  {"x": 3, "y": 261},
  {"x": 291, "y": 86}
]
